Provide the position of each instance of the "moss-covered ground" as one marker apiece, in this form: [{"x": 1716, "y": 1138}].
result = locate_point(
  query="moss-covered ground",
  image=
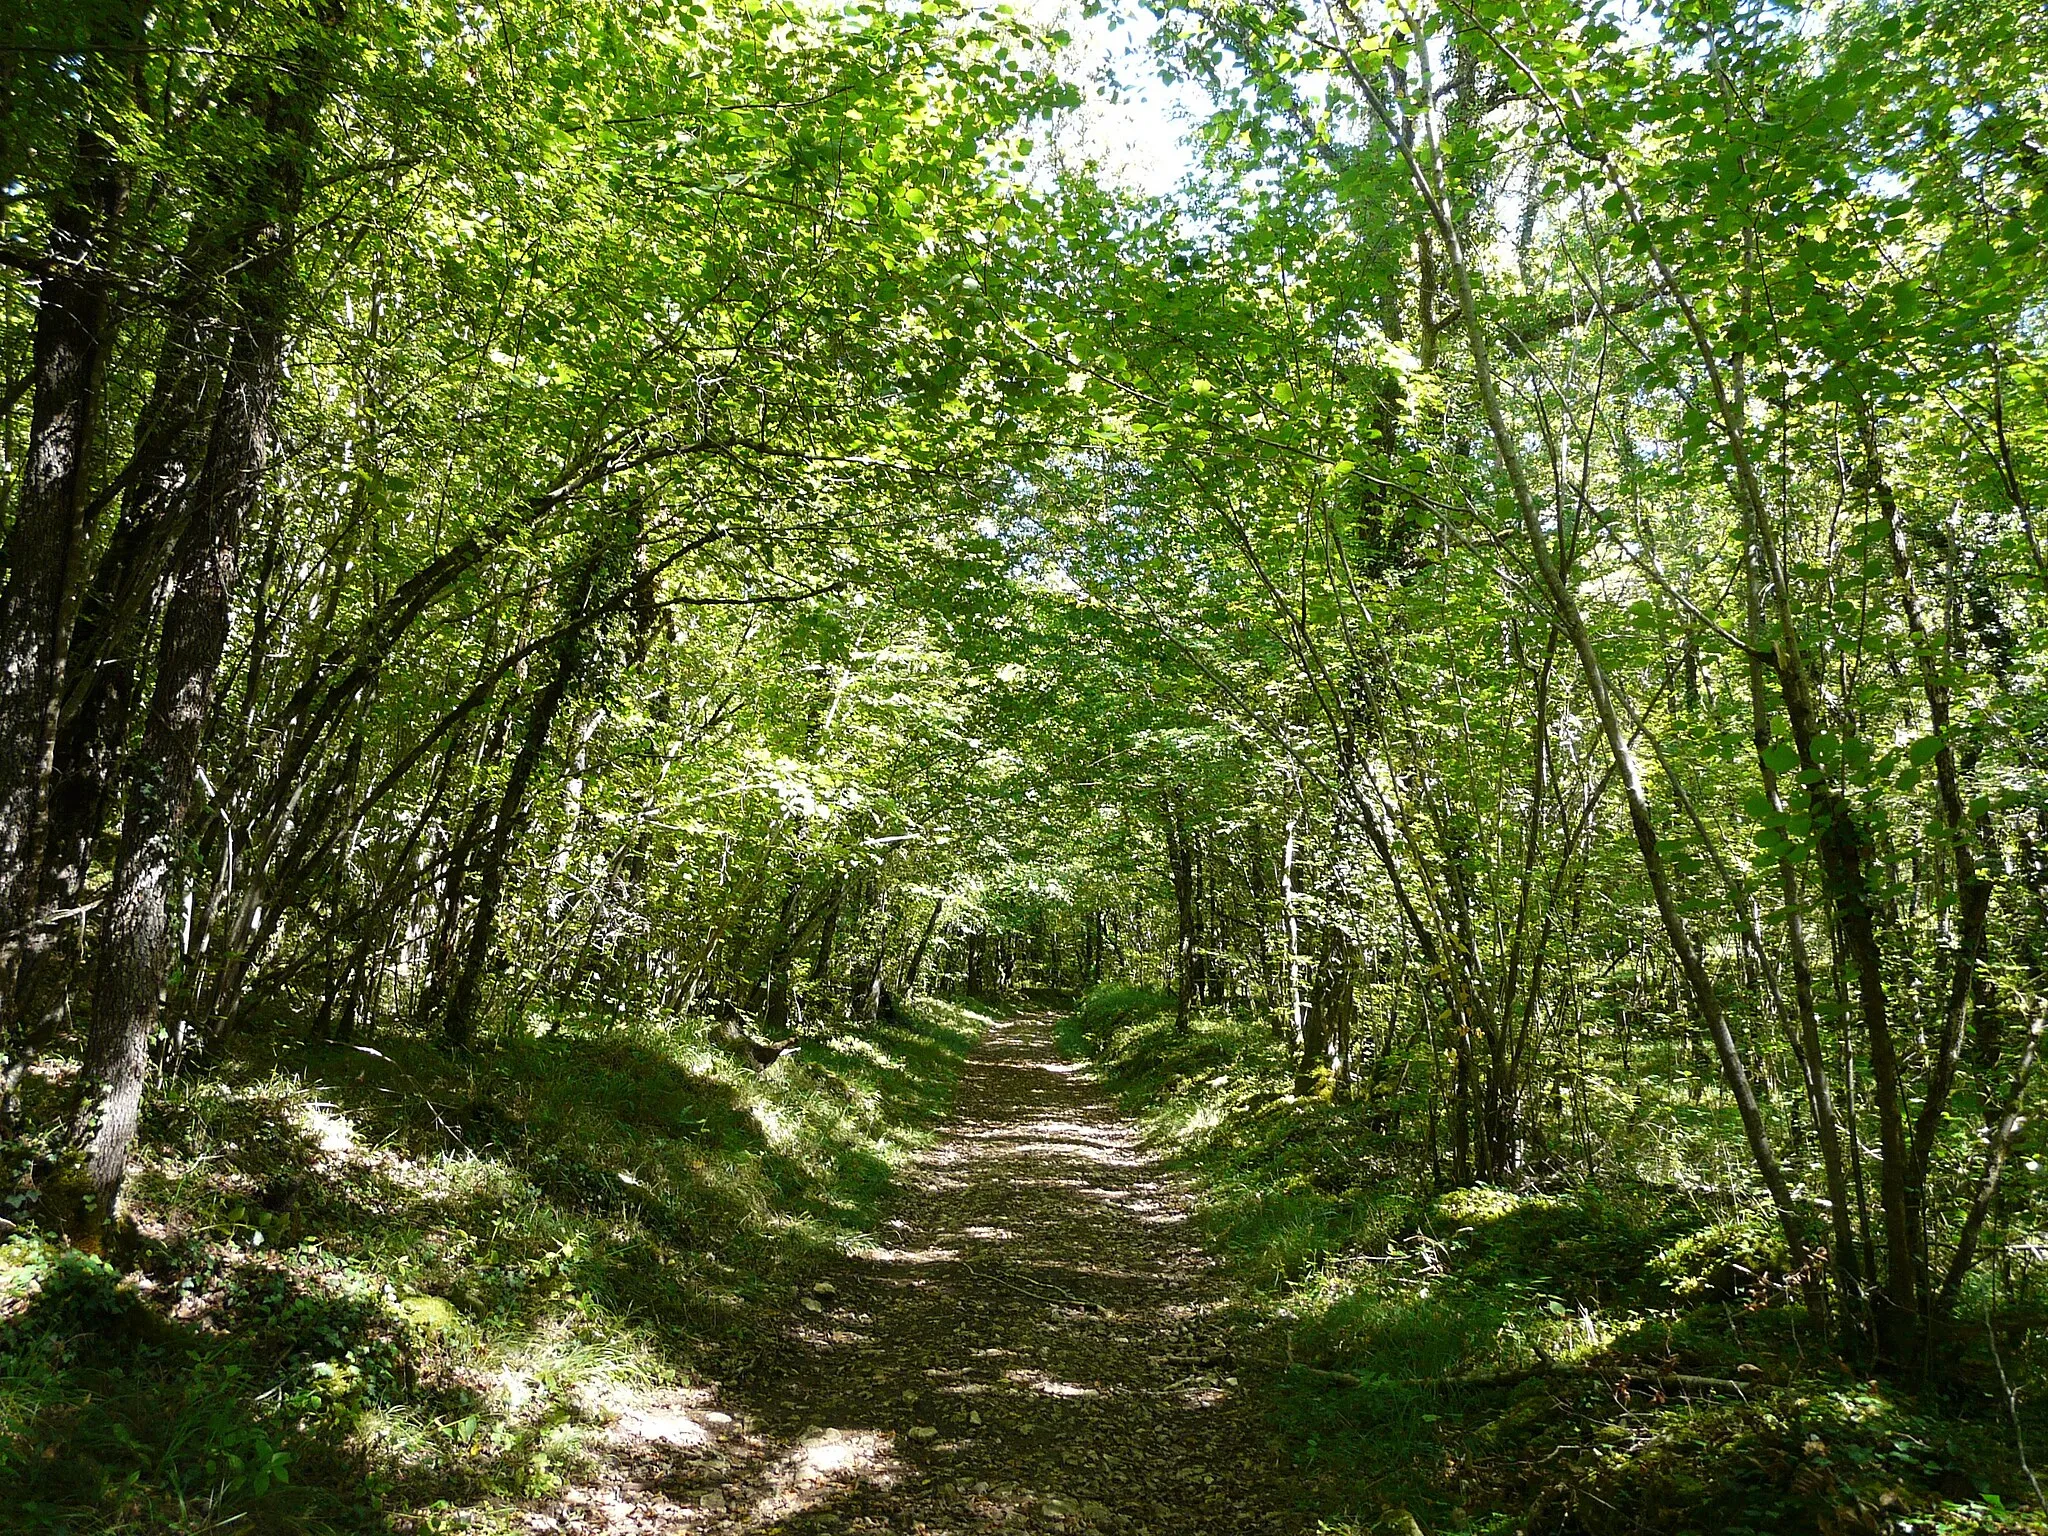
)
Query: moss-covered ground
[
  {"x": 376, "y": 1285},
  {"x": 1571, "y": 1307}
]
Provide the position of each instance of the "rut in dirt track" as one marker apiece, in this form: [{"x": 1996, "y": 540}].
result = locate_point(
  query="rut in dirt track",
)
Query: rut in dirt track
[{"x": 1042, "y": 1345}]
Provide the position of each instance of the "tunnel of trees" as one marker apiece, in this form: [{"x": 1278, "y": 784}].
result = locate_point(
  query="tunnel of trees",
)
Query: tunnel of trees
[{"x": 1519, "y": 580}]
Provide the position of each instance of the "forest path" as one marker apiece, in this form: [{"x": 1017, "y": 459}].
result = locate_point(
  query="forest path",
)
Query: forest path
[{"x": 1042, "y": 1346}]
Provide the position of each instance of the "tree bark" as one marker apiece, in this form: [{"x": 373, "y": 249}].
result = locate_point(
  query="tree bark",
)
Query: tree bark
[
  {"x": 133, "y": 947},
  {"x": 821, "y": 963},
  {"x": 45, "y": 542},
  {"x": 1330, "y": 1006},
  {"x": 459, "y": 1022},
  {"x": 133, "y": 952},
  {"x": 102, "y": 660},
  {"x": 1813, "y": 1058},
  {"x": 1180, "y": 858},
  {"x": 1973, "y": 891},
  {"x": 916, "y": 967}
]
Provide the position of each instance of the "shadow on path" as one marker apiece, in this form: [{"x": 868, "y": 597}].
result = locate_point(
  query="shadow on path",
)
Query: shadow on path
[{"x": 1038, "y": 1343}]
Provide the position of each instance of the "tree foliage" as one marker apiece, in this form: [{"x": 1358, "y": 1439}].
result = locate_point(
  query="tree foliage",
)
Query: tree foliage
[{"x": 1523, "y": 573}]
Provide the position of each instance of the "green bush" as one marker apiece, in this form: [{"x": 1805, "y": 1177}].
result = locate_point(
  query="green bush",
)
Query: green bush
[
  {"x": 1739, "y": 1258},
  {"x": 1109, "y": 1008},
  {"x": 1586, "y": 1246}
]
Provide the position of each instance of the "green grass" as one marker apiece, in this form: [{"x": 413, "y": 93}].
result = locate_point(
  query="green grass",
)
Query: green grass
[
  {"x": 373, "y": 1282},
  {"x": 1366, "y": 1273}
]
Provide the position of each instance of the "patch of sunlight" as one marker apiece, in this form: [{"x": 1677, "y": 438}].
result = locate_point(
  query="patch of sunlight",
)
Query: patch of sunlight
[
  {"x": 824, "y": 1462},
  {"x": 1049, "y": 1386},
  {"x": 663, "y": 1425},
  {"x": 513, "y": 1390},
  {"x": 981, "y": 1016},
  {"x": 1591, "y": 1334},
  {"x": 332, "y": 1132},
  {"x": 455, "y": 1176},
  {"x": 908, "y": 1255},
  {"x": 855, "y": 1045},
  {"x": 776, "y": 1128},
  {"x": 1107, "y": 1272},
  {"x": 1483, "y": 1203},
  {"x": 1203, "y": 1120},
  {"x": 435, "y": 1317}
]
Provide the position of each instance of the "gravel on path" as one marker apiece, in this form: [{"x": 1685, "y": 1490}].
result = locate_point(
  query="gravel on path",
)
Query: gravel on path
[{"x": 1038, "y": 1342}]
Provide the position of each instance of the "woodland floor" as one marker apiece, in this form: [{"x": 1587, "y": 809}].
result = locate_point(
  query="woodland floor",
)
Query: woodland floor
[{"x": 1042, "y": 1345}]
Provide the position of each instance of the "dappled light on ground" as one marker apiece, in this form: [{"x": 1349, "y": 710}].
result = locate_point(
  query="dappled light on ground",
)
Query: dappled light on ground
[
  {"x": 825, "y": 1463},
  {"x": 1038, "y": 1343},
  {"x": 411, "y": 1291}
]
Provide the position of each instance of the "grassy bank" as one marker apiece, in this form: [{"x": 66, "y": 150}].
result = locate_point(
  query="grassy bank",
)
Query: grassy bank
[
  {"x": 1575, "y": 1358},
  {"x": 377, "y": 1286}
]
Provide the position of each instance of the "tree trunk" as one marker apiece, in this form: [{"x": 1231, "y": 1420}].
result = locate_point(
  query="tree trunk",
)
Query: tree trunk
[
  {"x": 1296, "y": 1022},
  {"x": 1332, "y": 1000},
  {"x": 1180, "y": 857},
  {"x": 458, "y": 1024},
  {"x": 1706, "y": 1005},
  {"x": 45, "y": 542},
  {"x": 102, "y": 660},
  {"x": 916, "y": 967},
  {"x": 1813, "y": 1060},
  {"x": 133, "y": 945},
  {"x": 133, "y": 940},
  {"x": 1973, "y": 891},
  {"x": 821, "y": 963},
  {"x": 866, "y": 998}
]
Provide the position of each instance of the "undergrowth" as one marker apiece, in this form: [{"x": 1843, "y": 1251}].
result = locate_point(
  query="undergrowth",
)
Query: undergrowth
[
  {"x": 1569, "y": 1307},
  {"x": 379, "y": 1286}
]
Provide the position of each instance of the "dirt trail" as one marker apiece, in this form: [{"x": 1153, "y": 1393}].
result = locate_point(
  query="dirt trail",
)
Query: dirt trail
[{"x": 1041, "y": 1346}]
